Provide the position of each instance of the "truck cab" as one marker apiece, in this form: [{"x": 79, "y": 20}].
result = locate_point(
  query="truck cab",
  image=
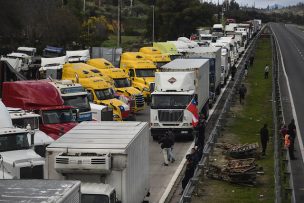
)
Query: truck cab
[
  {"x": 43, "y": 99},
  {"x": 218, "y": 30},
  {"x": 140, "y": 70},
  {"x": 50, "y": 52},
  {"x": 30, "y": 121},
  {"x": 78, "y": 56},
  {"x": 167, "y": 48},
  {"x": 73, "y": 94},
  {"x": 52, "y": 67},
  {"x": 153, "y": 54},
  {"x": 100, "y": 63},
  {"x": 18, "y": 159},
  {"x": 98, "y": 192},
  {"x": 123, "y": 88}
]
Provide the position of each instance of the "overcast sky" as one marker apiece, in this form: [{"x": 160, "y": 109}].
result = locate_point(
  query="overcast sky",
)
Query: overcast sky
[{"x": 265, "y": 3}]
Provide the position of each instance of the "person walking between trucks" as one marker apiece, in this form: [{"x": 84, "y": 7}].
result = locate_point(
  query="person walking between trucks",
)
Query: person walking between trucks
[
  {"x": 292, "y": 132},
  {"x": 171, "y": 155},
  {"x": 287, "y": 145},
  {"x": 166, "y": 145},
  {"x": 266, "y": 71},
  {"x": 242, "y": 93},
  {"x": 264, "y": 134}
]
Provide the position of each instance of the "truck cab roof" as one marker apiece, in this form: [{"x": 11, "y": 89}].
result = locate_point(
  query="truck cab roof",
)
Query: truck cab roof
[
  {"x": 96, "y": 83},
  {"x": 78, "y": 56},
  {"x": 68, "y": 88},
  {"x": 53, "y": 63},
  {"x": 166, "y": 48},
  {"x": 100, "y": 63},
  {"x": 136, "y": 60}
]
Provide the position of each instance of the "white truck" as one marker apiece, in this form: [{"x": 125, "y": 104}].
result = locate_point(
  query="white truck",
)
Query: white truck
[
  {"x": 101, "y": 112},
  {"x": 176, "y": 85},
  {"x": 17, "y": 159},
  {"x": 111, "y": 159},
  {"x": 214, "y": 56},
  {"x": 231, "y": 44},
  {"x": 78, "y": 56},
  {"x": 30, "y": 121},
  {"x": 191, "y": 44},
  {"x": 52, "y": 67},
  {"x": 46, "y": 191},
  {"x": 73, "y": 94},
  {"x": 218, "y": 30}
]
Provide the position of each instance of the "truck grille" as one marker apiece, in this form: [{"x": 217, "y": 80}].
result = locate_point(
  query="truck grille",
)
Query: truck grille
[
  {"x": 170, "y": 116},
  {"x": 140, "y": 101},
  {"x": 35, "y": 172},
  {"x": 98, "y": 161},
  {"x": 62, "y": 160}
]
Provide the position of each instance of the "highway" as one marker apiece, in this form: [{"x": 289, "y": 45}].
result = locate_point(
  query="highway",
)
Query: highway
[{"x": 291, "y": 47}]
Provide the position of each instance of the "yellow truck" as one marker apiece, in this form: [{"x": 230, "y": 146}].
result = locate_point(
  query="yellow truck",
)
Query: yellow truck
[
  {"x": 100, "y": 63},
  {"x": 167, "y": 48},
  {"x": 122, "y": 85},
  {"x": 100, "y": 90},
  {"x": 153, "y": 54},
  {"x": 140, "y": 70}
]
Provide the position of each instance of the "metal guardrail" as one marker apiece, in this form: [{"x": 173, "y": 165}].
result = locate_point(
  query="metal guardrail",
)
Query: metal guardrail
[
  {"x": 215, "y": 133},
  {"x": 281, "y": 155}
]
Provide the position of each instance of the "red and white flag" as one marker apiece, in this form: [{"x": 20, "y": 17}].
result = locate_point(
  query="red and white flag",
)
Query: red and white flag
[{"x": 192, "y": 107}]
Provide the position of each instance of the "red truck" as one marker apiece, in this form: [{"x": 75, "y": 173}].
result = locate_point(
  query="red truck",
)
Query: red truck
[{"x": 42, "y": 98}]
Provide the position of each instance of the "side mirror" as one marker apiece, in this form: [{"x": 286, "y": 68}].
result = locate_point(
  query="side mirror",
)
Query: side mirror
[
  {"x": 75, "y": 113},
  {"x": 90, "y": 97}
]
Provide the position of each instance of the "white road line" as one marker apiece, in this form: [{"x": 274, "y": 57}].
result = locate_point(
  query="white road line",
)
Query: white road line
[{"x": 292, "y": 102}]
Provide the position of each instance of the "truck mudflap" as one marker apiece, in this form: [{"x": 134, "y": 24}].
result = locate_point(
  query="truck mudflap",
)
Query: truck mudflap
[{"x": 157, "y": 133}]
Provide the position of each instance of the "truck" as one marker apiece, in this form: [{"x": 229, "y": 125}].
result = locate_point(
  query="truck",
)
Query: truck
[
  {"x": 214, "y": 55},
  {"x": 178, "y": 83},
  {"x": 98, "y": 86},
  {"x": 78, "y": 56},
  {"x": 30, "y": 121},
  {"x": 44, "y": 99},
  {"x": 141, "y": 71},
  {"x": 153, "y": 54},
  {"x": 18, "y": 160},
  {"x": 111, "y": 161},
  {"x": 191, "y": 44},
  {"x": 218, "y": 30},
  {"x": 181, "y": 47},
  {"x": 47, "y": 191},
  {"x": 73, "y": 94},
  {"x": 52, "y": 67},
  {"x": 100, "y": 63},
  {"x": 233, "y": 51},
  {"x": 51, "y": 52},
  {"x": 167, "y": 48}
]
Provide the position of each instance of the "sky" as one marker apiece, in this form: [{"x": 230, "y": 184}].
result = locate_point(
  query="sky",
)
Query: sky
[{"x": 265, "y": 3}]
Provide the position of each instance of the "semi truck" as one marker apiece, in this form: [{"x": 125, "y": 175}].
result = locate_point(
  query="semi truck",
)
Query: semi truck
[
  {"x": 78, "y": 56},
  {"x": 178, "y": 83},
  {"x": 111, "y": 161},
  {"x": 46, "y": 191},
  {"x": 153, "y": 54},
  {"x": 18, "y": 159},
  {"x": 30, "y": 121},
  {"x": 100, "y": 63},
  {"x": 50, "y": 52},
  {"x": 52, "y": 67},
  {"x": 214, "y": 55},
  {"x": 141, "y": 71},
  {"x": 73, "y": 94},
  {"x": 218, "y": 30},
  {"x": 167, "y": 48},
  {"x": 44, "y": 99}
]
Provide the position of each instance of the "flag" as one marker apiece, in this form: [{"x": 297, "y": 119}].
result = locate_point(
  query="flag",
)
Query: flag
[{"x": 194, "y": 111}]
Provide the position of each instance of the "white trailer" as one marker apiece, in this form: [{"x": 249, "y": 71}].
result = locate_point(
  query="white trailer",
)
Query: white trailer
[
  {"x": 187, "y": 80},
  {"x": 46, "y": 191},
  {"x": 225, "y": 67},
  {"x": 233, "y": 52},
  {"x": 17, "y": 159},
  {"x": 214, "y": 56},
  {"x": 107, "y": 157}
]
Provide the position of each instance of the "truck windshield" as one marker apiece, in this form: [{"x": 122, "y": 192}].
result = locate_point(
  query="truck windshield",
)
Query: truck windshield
[
  {"x": 57, "y": 116},
  {"x": 170, "y": 101},
  {"x": 104, "y": 94},
  {"x": 11, "y": 142},
  {"x": 95, "y": 198},
  {"x": 217, "y": 30},
  {"x": 145, "y": 72},
  {"x": 81, "y": 102},
  {"x": 22, "y": 122},
  {"x": 122, "y": 82}
]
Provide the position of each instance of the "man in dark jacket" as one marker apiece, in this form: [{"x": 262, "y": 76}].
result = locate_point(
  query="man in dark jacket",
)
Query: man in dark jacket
[
  {"x": 188, "y": 173},
  {"x": 264, "y": 138},
  {"x": 233, "y": 71},
  {"x": 166, "y": 145},
  {"x": 292, "y": 130},
  {"x": 200, "y": 137},
  {"x": 242, "y": 93}
]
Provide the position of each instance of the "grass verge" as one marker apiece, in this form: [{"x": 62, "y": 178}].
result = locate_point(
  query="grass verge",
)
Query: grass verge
[
  {"x": 127, "y": 42},
  {"x": 243, "y": 127}
]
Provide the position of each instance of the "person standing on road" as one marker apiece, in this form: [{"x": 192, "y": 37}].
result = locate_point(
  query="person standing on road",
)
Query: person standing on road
[
  {"x": 242, "y": 93},
  {"x": 283, "y": 130},
  {"x": 292, "y": 132},
  {"x": 264, "y": 134},
  {"x": 172, "y": 138},
  {"x": 188, "y": 173},
  {"x": 200, "y": 128},
  {"x": 266, "y": 72},
  {"x": 233, "y": 71},
  {"x": 287, "y": 145},
  {"x": 166, "y": 145},
  {"x": 251, "y": 59}
]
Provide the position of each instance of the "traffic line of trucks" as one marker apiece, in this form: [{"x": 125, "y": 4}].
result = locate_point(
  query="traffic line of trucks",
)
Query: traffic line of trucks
[{"x": 61, "y": 126}]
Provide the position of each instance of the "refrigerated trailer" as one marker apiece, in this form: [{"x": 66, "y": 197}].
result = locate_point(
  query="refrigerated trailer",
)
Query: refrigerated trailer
[{"x": 109, "y": 158}]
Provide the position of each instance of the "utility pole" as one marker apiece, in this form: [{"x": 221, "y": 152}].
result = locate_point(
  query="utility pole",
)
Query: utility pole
[
  {"x": 153, "y": 22},
  {"x": 84, "y": 7},
  {"x": 118, "y": 23}
]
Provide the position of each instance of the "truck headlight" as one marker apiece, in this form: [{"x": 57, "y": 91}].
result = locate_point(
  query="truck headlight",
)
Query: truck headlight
[
  {"x": 146, "y": 89},
  {"x": 115, "y": 116}
]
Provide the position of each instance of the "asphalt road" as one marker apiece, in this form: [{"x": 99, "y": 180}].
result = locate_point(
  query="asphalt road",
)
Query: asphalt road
[
  {"x": 291, "y": 42},
  {"x": 161, "y": 175}
]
